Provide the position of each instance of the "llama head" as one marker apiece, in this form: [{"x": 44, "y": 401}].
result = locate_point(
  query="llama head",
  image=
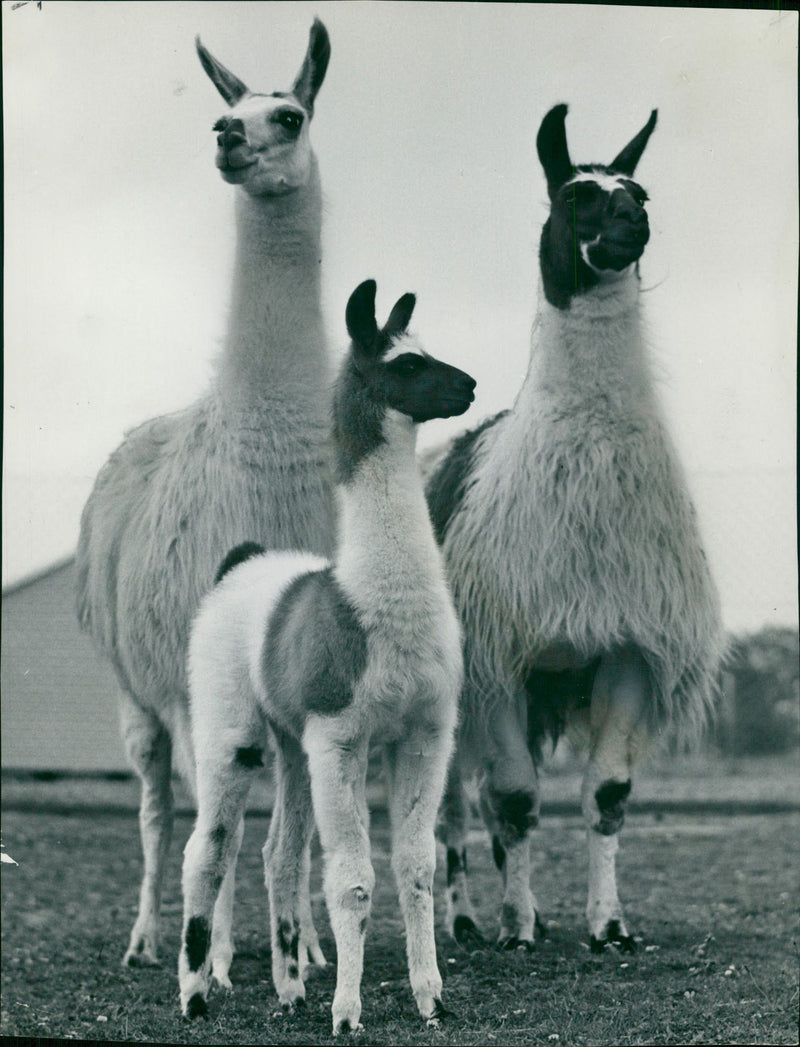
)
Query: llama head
[
  {"x": 394, "y": 369},
  {"x": 263, "y": 143},
  {"x": 597, "y": 228},
  {"x": 388, "y": 375}
]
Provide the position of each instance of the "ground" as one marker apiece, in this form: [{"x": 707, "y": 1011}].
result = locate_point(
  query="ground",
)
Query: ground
[{"x": 712, "y": 896}]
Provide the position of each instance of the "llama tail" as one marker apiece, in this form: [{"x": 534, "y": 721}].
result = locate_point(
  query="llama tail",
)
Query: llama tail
[{"x": 238, "y": 555}]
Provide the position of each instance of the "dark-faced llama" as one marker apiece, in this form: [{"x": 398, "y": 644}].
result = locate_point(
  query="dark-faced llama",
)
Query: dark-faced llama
[
  {"x": 573, "y": 552},
  {"x": 250, "y": 459},
  {"x": 326, "y": 659}
]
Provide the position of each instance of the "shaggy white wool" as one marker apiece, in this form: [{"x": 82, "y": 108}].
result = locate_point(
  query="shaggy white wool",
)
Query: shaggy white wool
[
  {"x": 577, "y": 528},
  {"x": 248, "y": 462}
]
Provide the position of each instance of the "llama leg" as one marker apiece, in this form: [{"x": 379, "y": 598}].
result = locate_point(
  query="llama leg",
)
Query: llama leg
[
  {"x": 338, "y": 769},
  {"x": 223, "y": 784},
  {"x": 619, "y": 700},
  {"x": 310, "y": 950},
  {"x": 149, "y": 749},
  {"x": 418, "y": 767},
  {"x": 510, "y": 804},
  {"x": 285, "y": 868},
  {"x": 221, "y": 951},
  {"x": 452, "y": 831}
]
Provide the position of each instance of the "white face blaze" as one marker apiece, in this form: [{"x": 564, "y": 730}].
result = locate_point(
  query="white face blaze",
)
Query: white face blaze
[
  {"x": 274, "y": 160},
  {"x": 401, "y": 346},
  {"x": 606, "y": 181}
]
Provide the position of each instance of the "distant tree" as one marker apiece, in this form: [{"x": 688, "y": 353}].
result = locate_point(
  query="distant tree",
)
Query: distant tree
[{"x": 763, "y": 694}]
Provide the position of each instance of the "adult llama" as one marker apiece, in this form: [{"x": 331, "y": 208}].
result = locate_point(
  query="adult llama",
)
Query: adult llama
[
  {"x": 248, "y": 460},
  {"x": 573, "y": 552}
]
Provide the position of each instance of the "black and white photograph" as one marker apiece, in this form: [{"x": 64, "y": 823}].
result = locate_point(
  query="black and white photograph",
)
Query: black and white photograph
[{"x": 399, "y": 523}]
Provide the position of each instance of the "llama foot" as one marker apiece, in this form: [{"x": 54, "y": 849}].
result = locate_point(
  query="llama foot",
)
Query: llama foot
[
  {"x": 518, "y": 926},
  {"x": 428, "y": 995},
  {"x": 466, "y": 932},
  {"x": 434, "y": 1011},
  {"x": 614, "y": 935},
  {"x": 346, "y": 1014},
  {"x": 292, "y": 997},
  {"x": 220, "y": 972},
  {"x": 195, "y": 1007},
  {"x": 142, "y": 951},
  {"x": 510, "y": 943}
]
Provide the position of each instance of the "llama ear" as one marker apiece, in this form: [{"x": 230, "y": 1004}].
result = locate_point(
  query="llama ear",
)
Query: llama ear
[
  {"x": 229, "y": 86},
  {"x": 315, "y": 65},
  {"x": 551, "y": 145},
  {"x": 627, "y": 160},
  {"x": 360, "y": 316},
  {"x": 400, "y": 316}
]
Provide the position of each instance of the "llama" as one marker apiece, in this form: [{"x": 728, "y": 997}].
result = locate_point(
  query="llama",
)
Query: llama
[
  {"x": 328, "y": 659},
  {"x": 572, "y": 549},
  {"x": 250, "y": 459}
]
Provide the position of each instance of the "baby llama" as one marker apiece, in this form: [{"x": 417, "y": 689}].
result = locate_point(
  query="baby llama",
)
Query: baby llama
[
  {"x": 327, "y": 659},
  {"x": 572, "y": 549},
  {"x": 250, "y": 459}
]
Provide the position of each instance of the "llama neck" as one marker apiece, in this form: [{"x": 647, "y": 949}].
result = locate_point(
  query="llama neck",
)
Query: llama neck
[
  {"x": 275, "y": 340},
  {"x": 387, "y": 560},
  {"x": 592, "y": 350}
]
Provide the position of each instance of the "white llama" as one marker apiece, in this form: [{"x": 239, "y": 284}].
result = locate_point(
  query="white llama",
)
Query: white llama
[
  {"x": 328, "y": 659},
  {"x": 573, "y": 553},
  {"x": 250, "y": 459}
]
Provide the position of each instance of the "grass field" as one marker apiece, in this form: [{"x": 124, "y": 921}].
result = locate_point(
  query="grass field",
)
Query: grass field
[{"x": 714, "y": 899}]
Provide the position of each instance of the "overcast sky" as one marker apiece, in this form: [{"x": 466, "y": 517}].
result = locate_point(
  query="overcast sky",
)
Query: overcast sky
[{"x": 119, "y": 230}]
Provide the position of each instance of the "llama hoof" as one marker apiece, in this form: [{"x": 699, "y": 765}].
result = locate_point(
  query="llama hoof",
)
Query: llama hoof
[
  {"x": 466, "y": 933},
  {"x": 614, "y": 938},
  {"x": 223, "y": 980},
  {"x": 344, "y": 1028},
  {"x": 512, "y": 944},
  {"x": 292, "y": 997},
  {"x": 197, "y": 1007},
  {"x": 141, "y": 954},
  {"x": 439, "y": 1012}
]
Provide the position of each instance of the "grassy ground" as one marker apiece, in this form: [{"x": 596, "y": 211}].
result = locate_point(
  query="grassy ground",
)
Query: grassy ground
[{"x": 714, "y": 899}]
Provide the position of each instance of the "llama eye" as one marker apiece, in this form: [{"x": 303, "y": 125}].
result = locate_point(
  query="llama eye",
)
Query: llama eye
[
  {"x": 289, "y": 120},
  {"x": 407, "y": 365}
]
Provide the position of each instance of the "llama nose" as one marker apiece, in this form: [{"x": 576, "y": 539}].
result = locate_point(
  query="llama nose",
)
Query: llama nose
[
  {"x": 232, "y": 134},
  {"x": 627, "y": 210}
]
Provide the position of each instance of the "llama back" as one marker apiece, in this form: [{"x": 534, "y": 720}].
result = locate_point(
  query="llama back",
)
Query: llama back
[{"x": 178, "y": 493}]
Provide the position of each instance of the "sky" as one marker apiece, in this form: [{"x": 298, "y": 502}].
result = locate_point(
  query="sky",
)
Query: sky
[{"x": 119, "y": 231}]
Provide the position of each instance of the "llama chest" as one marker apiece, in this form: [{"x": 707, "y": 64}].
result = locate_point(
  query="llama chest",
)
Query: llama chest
[
  {"x": 583, "y": 538},
  {"x": 414, "y": 678}
]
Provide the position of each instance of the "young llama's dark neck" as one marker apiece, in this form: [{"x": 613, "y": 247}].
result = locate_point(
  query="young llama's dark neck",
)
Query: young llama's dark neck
[{"x": 276, "y": 340}]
